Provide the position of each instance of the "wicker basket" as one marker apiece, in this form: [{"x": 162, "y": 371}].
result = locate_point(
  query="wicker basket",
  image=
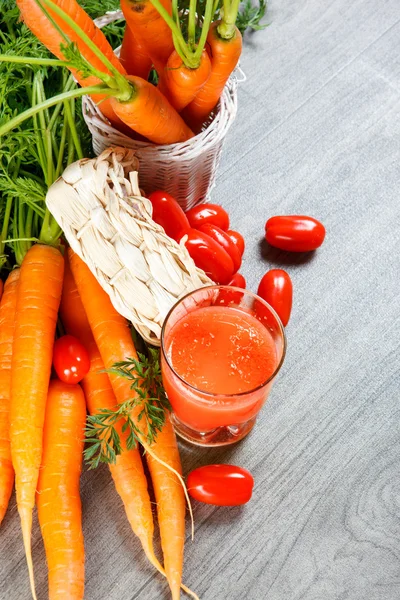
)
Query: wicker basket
[{"x": 186, "y": 170}]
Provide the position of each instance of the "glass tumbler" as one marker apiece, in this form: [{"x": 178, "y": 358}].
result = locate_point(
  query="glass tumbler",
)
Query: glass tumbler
[{"x": 221, "y": 416}]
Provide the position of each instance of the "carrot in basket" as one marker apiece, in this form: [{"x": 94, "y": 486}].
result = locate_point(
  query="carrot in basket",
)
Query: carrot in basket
[
  {"x": 150, "y": 29},
  {"x": 129, "y": 478},
  {"x": 224, "y": 53},
  {"x": 58, "y": 498},
  {"x": 35, "y": 18},
  {"x": 133, "y": 55},
  {"x": 140, "y": 105},
  {"x": 149, "y": 113},
  {"x": 183, "y": 83},
  {"x": 7, "y": 322},
  {"x": 188, "y": 66},
  {"x": 115, "y": 344},
  {"x": 39, "y": 293}
]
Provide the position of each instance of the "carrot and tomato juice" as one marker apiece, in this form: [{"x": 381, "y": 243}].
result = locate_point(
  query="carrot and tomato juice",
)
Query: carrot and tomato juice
[{"x": 222, "y": 356}]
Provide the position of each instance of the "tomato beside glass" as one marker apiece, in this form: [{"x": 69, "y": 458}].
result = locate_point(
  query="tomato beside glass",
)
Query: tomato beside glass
[
  {"x": 295, "y": 233},
  {"x": 238, "y": 281},
  {"x": 208, "y": 213},
  {"x": 226, "y": 296},
  {"x": 70, "y": 359},
  {"x": 168, "y": 214},
  {"x": 237, "y": 239},
  {"x": 209, "y": 256},
  {"x": 223, "y": 239},
  {"x": 221, "y": 485},
  {"x": 276, "y": 289}
]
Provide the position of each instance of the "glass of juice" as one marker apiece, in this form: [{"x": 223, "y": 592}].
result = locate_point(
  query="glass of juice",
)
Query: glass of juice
[{"x": 221, "y": 350}]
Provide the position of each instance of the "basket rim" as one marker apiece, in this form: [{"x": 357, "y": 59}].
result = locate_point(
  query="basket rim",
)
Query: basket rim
[{"x": 217, "y": 129}]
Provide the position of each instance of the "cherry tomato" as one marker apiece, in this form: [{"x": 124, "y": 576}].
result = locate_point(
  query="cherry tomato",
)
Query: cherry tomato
[
  {"x": 70, "y": 359},
  {"x": 222, "y": 485},
  {"x": 226, "y": 296},
  {"x": 238, "y": 281},
  {"x": 209, "y": 256},
  {"x": 208, "y": 213},
  {"x": 237, "y": 239},
  {"x": 294, "y": 233},
  {"x": 168, "y": 214},
  {"x": 276, "y": 288},
  {"x": 225, "y": 241}
]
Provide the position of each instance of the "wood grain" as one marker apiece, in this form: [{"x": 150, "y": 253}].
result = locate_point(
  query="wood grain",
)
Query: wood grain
[{"x": 317, "y": 133}]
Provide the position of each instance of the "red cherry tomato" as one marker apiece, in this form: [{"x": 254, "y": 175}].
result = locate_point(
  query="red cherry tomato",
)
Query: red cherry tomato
[
  {"x": 168, "y": 214},
  {"x": 226, "y": 296},
  {"x": 208, "y": 213},
  {"x": 294, "y": 233},
  {"x": 276, "y": 288},
  {"x": 225, "y": 241},
  {"x": 222, "y": 485},
  {"x": 238, "y": 281},
  {"x": 237, "y": 239},
  {"x": 70, "y": 359},
  {"x": 209, "y": 256}
]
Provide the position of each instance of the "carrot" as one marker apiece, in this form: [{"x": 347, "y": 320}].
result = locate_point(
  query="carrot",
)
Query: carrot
[
  {"x": 224, "y": 55},
  {"x": 150, "y": 29},
  {"x": 115, "y": 344},
  {"x": 39, "y": 293},
  {"x": 171, "y": 505},
  {"x": 136, "y": 102},
  {"x": 150, "y": 114},
  {"x": 7, "y": 321},
  {"x": 133, "y": 55},
  {"x": 58, "y": 499},
  {"x": 1, "y": 288},
  {"x": 40, "y": 25},
  {"x": 182, "y": 82},
  {"x": 128, "y": 474}
]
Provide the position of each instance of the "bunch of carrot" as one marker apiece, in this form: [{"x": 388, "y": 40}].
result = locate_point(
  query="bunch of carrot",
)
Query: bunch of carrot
[
  {"x": 42, "y": 421},
  {"x": 192, "y": 54}
]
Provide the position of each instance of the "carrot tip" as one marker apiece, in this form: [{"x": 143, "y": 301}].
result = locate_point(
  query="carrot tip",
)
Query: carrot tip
[
  {"x": 189, "y": 592},
  {"x": 26, "y": 526}
]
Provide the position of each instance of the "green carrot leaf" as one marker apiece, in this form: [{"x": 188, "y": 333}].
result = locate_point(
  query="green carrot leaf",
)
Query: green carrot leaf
[{"x": 146, "y": 382}]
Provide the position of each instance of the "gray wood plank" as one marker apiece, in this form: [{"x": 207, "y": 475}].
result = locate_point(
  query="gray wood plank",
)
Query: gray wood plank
[{"x": 317, "y": 132}]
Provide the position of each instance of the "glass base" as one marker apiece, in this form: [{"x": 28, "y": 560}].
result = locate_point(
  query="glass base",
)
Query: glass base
[{"x": 221, "y": 436}]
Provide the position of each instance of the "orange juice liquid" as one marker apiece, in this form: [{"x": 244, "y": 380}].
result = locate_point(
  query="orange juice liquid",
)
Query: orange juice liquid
[{"x": 222, "y": 352}]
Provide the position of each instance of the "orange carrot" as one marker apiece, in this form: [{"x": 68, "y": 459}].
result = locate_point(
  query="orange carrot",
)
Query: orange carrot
[
  {"x": 115, "y": 344},
  {"x": 129, "y": 478},
  {"x": 137, "y": 103},
  {"x": 1, "y": 288},
  {"x": 171, "y": 504},
  {"x": 183, "y": 83},
  {"x": 39, "y": 293},
  {"x": 149, "y": 113},
  {"x": 7, "y": 321},
  {"x": 133, "y": 55},
  {"x": 224, "y": 54},
  {"x": 46, "y": 32},
  {"x": 58, "y": 499},
  {"x": 150, "y": 29}
]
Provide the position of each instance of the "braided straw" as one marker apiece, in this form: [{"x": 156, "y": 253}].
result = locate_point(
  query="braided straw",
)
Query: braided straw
[
  {"x": 108, "y": 223},
  {"x": 186, "y": 170}
]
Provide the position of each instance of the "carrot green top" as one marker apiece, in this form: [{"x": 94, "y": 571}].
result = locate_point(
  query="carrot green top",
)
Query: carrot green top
[
  {"x": 191, "y": 50},
  {"x": 227, "y": 27}
]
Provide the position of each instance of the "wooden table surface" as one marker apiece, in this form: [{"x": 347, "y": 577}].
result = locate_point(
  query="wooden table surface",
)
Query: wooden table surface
[{"x": 318, "y": 132}]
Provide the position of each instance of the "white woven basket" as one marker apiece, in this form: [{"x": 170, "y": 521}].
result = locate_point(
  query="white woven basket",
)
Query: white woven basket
[
  {"x": 186, "y": 170},
  {"x": 108, "y": 224}
]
